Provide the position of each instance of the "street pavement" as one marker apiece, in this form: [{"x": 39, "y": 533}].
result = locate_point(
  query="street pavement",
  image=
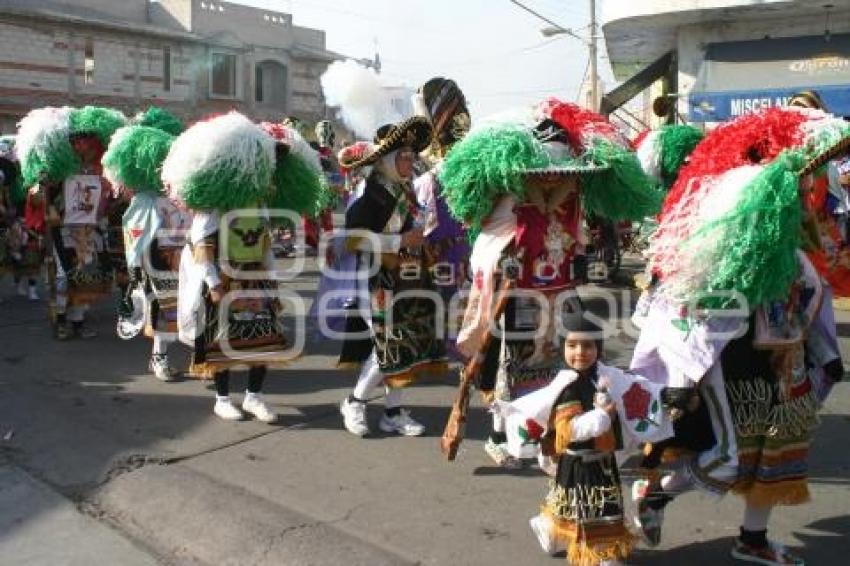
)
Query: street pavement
[{"x": 102, "y": 464}]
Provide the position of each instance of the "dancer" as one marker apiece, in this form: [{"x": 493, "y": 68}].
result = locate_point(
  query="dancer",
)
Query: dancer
[
  {"x": 403, "y": 329},
  {"x": 60, "y": 151},
  {"x": 582, "y": 418},
  {"x": 738, "y": 314},
  {"x": 227, "y": 170},
  {"x": 18, "y": 247},
  {"x": 523, "y": 191},
  {"x": 153, "y": 232},
  {"x": 444, "y": 104},
  {"x": 314, "y": 227}
]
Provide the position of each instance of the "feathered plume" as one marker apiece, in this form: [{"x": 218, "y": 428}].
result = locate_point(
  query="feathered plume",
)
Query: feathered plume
[
  {"x": 298, "y": 178},
  {"x": 224, "y": 163},
  {"x": 43, "y": 146},
  {"x": 363, "y": 101},
  {"x": 134, "y": 158},
  {"x": 156, "y": 117}
]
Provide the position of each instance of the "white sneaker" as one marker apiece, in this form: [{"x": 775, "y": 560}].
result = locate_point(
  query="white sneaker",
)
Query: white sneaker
[
  {"x": 254, "y": 405},
  {"x": 224, "y": 408},
  {"x": 160, "y": 368},
  {"x": 354, "y": 417},
  {"x": 541, "y": 526},
  {"x": 402, "y": 424},
  {"x": 32, "y": 294}
]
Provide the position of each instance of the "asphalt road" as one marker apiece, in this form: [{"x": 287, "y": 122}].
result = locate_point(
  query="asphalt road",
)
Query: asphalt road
[{"x": 102, "y": 464}]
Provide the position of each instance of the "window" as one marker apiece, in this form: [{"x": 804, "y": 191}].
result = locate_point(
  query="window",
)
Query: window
[
  {"x": 223, "y": 75},
  {"x": 88, "y": 67},
  {"x": 258, "y": 83},
  {"x": 166, "y": 68}
]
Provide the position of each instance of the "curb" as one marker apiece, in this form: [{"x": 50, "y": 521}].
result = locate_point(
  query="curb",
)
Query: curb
[{"x": 197, "y": 520}]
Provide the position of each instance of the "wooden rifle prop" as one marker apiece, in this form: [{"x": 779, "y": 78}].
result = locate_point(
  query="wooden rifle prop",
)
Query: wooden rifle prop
[{"x": 456, "y": 425}]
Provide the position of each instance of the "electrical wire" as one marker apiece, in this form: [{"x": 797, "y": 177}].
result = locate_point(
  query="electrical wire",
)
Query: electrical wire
[
  {"x": 583, "y": 78},
  {"x": 489, "y": 59},
  {"x": 538, "y": 15}
]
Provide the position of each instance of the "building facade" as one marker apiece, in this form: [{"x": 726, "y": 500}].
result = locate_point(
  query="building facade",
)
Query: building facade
[
  {"x": 194, "y": 57},
  {"x": 735, "y": 56}
]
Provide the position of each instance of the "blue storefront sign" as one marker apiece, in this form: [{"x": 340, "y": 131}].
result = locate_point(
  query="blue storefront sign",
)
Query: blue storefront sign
[
  {"x": 722, "y": 106},
  {"x": 740, "y": 77}
]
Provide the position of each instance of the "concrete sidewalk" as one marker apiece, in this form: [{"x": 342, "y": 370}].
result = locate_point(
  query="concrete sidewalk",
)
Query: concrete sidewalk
[{"x": 38, "y": 527}]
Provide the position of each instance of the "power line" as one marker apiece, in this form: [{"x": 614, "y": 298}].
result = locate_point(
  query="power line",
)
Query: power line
[
  {"x": 521, "y": 92},
  {"x": 489, "y": 59},
  {"x": 561, "y": 29},
  {"x": 583, "y": 77}
]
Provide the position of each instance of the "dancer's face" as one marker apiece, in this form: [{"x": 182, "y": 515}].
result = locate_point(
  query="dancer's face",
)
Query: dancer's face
[
  {"x": 580, "y": 352},
  {"x": 404, "y": 162}
]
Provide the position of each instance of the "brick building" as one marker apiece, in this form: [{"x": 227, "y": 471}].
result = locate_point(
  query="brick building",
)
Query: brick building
[{"x": 193, "y": 57}]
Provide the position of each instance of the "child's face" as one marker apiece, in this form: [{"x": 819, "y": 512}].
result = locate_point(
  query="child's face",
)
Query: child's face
[{"x": 580, "y": 352}]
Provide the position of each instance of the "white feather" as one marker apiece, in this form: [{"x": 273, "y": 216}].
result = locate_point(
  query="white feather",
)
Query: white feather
[
  {"x": 300, "y": 147},
  {"x": 228, "y": 141},
  {"x": 42, "y": 129},
  {"x": 117, "y": 138},
  {"x": 362, "y": 97},
  {"x": 649, "y": 154}
]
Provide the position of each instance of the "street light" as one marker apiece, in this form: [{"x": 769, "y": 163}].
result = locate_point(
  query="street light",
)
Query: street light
[{"x": 550, "y": 31}]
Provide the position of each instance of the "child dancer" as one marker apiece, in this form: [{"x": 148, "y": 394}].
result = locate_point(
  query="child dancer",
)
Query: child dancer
[{"x": 587, "y": 412}]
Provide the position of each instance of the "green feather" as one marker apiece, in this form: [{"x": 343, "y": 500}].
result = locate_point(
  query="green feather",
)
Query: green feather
[
  {"x": 225, "y": 187},
  {"x": 57, "y": 164},
  {"x": 298, "y": 187},
  {"x": 96, "y": 120},
  {"x": 485, "y": 165},
  {"x": 677, "y": 143},
  {"x": 759, "y": 238},
  {"x": 156, "y": 117},
  {"x": 135, "y": 159},
  {"x": 622, "y": 191}
]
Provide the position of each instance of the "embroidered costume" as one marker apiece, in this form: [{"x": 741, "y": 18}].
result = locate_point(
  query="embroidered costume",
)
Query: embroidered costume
[
  {"x": 60, "y": 151},
  {"x": 730, "y": 239},
  {"x": 583, "y": 511},
  {"x": 153, "y": 229},
  {"x": 229, "y": 171},
  {"x": 524, "y": 189},
  {"x": 396, "y": 310}
]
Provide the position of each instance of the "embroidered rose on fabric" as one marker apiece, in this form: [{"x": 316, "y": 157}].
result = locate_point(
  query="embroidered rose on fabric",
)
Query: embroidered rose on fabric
[
  {"x": 636, "y": 402},
  {"x": 531, "y": 431}
]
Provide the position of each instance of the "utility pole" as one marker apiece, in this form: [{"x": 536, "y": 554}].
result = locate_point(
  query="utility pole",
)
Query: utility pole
[{"x": 594, "y": 71}]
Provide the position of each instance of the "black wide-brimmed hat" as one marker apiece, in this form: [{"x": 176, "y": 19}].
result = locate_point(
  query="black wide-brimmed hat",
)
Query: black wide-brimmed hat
[{"x": 414, "y": 132}]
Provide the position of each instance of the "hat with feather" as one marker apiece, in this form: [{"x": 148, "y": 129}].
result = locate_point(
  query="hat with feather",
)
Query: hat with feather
[
  {"x": 44, "y": 139},
  {"x": 223, "y": 163},
  {"x": 733, "y": 218},
  {"x": 564, "y": 140}
]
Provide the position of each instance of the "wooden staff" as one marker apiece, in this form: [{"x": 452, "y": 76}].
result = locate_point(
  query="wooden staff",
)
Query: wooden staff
[{"x": 456, "y": 425}]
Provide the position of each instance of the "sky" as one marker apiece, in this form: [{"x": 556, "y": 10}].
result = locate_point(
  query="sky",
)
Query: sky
[{"x": 491, "y": 48}]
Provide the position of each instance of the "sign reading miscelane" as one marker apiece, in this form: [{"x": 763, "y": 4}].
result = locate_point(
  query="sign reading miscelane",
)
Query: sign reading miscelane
[
  {"x": 741, "y": 106},
  {"x": 722, "y": 106}
]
